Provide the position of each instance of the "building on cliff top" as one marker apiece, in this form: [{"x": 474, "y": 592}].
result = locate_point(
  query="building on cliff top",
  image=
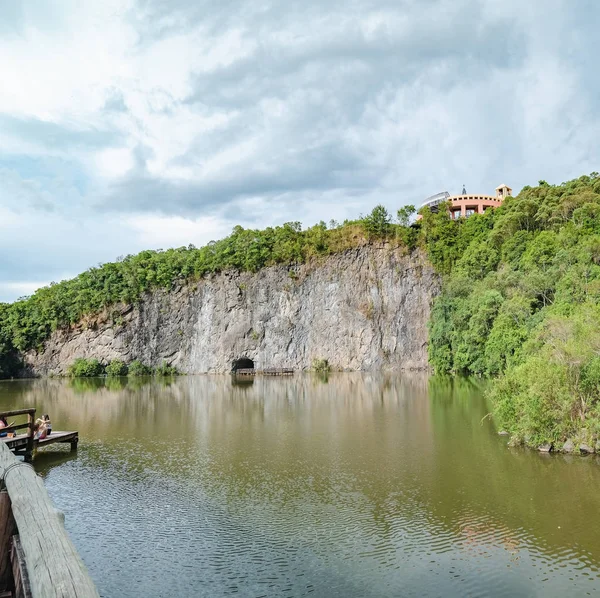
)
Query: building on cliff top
[{"x": 464, "y": 205}]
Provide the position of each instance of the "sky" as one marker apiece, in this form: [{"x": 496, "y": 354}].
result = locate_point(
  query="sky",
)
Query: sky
[{"x": 128, "y": 125}]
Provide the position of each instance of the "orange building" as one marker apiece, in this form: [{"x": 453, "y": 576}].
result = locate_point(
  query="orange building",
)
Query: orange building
[{"x": 464, "y": 205}]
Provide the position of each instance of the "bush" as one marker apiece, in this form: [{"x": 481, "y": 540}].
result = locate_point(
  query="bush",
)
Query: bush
[
  {"x": 137, "y": 368},
  {"x": 166, "y": 370},
  {"x": 321, "y": 366},
  {"x": 85, "y": 368},
  {"x": 554, "y": 394},
  {"x": 116, "y": 368}
]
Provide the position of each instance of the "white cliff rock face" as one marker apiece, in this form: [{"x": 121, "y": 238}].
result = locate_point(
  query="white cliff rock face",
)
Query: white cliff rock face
[{"x": 364, "y": 309}]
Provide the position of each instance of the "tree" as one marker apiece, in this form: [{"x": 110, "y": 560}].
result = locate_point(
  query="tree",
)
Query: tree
[
  {"x": 377, "y": 223},
  {"x": 404, "y": 215}
]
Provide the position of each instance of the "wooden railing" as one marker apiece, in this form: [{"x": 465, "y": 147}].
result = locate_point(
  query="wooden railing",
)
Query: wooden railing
[
  {"x": 29, "y": 425},
  {"x": 32, "y": 530}
]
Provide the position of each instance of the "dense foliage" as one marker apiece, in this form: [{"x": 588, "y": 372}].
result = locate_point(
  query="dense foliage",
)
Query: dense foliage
[
  {"x": 521, "y": 298},
  {"x": 86, "y": 368},
  {"x": 92, "y": 368},
  {"x": 116, "y": 368},
  {"x": 137, "y": 369},
  {"x": 27, "y": 323}
]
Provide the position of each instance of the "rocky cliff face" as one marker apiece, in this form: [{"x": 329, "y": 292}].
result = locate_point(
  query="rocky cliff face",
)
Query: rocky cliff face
[{"x": 364, "y": 309}]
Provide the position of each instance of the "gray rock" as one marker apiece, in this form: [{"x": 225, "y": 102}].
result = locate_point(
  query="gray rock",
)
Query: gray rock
[
  {"x": 363, "y": 309},
  {"x": 568, "y": 447},
  {"x": 545, "y": 448},
  {"x": 586, "y": 448},
  {"x": 503, "y": 433}
]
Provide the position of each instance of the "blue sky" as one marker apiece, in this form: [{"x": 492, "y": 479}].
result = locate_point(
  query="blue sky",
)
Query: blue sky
[{"x": 128, "y": 125}]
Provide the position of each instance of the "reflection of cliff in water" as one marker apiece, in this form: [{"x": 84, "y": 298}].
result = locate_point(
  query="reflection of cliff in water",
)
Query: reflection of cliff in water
[{"x": 375, "y": 452}]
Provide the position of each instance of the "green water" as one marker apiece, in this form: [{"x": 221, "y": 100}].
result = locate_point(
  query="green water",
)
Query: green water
[{"x": 354, "y": 486}]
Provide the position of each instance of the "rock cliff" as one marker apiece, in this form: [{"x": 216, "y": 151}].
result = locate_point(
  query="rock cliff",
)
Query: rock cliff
[{"x": 364, "y": 309}]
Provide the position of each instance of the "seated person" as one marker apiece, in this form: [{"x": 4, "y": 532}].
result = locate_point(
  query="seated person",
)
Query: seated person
[
  {"x": 3, "y": 424},
  {"x": 46, "y": 423},
  {"x": 39, "y": 430}
]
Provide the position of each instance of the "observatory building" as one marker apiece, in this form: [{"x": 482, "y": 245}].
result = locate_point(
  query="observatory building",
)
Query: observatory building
[{"x": 465, "y": 205}]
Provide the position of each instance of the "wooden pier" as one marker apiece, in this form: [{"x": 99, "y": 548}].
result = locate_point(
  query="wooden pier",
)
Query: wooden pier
[
  {"x": 267, "y": 372},
  {"x": 278, "y": 372},
  {"x": 25, "y": 445},
  {"x": 244, "y": 372}
]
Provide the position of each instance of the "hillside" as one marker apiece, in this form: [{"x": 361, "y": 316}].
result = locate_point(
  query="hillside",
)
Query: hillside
[{"x": 520, "y": 299}]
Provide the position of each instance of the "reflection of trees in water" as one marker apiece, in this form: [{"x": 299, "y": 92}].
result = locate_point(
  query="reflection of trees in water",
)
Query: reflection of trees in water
[
  {"x": 85, "y": 385},
  {"x": 376, "y": 443},
  {"x": 514, "y": 489}
]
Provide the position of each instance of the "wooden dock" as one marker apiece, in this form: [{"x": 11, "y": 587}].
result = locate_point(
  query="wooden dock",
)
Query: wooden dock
[
  {"x": 267, "y": 372},
  {"x": 278, "y": 372},
  {"x": 244, "y": 372},
  {"x": 18, "y": 444},
  {"x": 25, "y": 445}
]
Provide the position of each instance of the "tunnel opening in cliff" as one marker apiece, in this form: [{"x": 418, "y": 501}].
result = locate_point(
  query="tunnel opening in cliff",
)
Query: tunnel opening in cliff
[{"x": 243, "y": 363}]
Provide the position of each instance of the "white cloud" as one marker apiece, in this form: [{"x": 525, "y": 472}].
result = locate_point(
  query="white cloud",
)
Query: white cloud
[
  {"x": 181, "y": 118},
  {"x": 114, "y": 162},
  {"x": 175, "y": 231},
  {"x": 9, "y": 291}
]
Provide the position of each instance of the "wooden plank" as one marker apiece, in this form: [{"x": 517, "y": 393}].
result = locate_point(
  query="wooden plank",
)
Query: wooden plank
[
  {"x": 244, "y": 372},
  {"x": 15, "y": 427},
  {"x": 58, "y": 437},
  {"x": 17, "y": 412},
  {"x": 7, "y": 529},
  {"x": 278, "y": 372},
  {"x": 19, "y": 568},
  {"x": 21, "y": 439},
  {"x": 30, "y": 433},
  {"x": 55, "y": 569}
]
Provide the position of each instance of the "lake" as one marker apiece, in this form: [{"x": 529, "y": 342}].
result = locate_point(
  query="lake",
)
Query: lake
[{"x": 352, "y": 485}]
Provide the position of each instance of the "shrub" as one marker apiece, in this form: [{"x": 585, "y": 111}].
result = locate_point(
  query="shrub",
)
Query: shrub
[
  {"x": 554, "y": 394},
  {"x": 137, "y": 368},
  {"x": 166, "y": 370},
  {"x": 321, "y": 366},
  {"x": 116, "y": 368},
  {"x": 85, "y": 368}
]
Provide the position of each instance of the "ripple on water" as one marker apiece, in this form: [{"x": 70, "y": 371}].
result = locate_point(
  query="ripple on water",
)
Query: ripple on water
[{"x": 307, "y": 496}]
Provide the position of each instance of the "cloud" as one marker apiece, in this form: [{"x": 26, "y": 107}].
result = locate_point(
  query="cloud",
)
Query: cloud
[{"x": 129, "y": 123}]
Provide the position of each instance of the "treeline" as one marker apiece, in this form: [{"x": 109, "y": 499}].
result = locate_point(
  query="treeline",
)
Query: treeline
[
  {"x": 521, "y": 299},
  {"x": 27, "y": 323}
]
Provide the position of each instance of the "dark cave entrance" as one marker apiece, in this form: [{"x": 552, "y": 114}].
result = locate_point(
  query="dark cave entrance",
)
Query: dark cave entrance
[{"x": 243, "y": 363}]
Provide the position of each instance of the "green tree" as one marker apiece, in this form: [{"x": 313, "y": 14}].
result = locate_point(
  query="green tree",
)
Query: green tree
[
  {"x": 405, "y": 214},
  {"x": 378, "y": 222}
]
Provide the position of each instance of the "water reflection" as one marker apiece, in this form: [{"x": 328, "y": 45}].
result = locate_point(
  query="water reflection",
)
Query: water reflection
[{"x": 347, "y": 485}]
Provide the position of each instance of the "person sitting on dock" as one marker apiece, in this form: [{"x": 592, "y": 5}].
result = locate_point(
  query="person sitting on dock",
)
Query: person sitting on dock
[
  {"x": 39, "y": 430},
  {"x": 45, "y": 420},
  {"x": 3, "y": 424}
]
